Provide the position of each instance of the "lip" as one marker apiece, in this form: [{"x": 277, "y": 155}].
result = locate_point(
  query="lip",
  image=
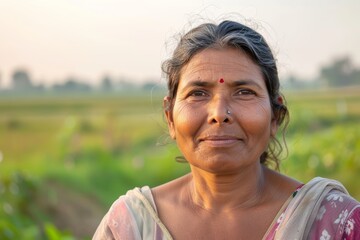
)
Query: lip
[{"x": 220, "y": 140}]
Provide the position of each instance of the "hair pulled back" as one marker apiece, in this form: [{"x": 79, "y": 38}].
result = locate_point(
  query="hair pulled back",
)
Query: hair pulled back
[{"x": 238, "y": 36}]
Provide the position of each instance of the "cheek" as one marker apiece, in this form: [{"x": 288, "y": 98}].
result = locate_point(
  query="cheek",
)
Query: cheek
[
  {"x": 183, "y": 117},
  {"x": 188, "y": 120},
  {"x": 258, "y": 120}
]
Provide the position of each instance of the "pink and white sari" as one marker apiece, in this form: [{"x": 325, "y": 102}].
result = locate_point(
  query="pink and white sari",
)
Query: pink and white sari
[{"x": 320, "y": 209}]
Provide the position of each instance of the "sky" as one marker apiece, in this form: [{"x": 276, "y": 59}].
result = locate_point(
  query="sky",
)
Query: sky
[{"x": 87, "y": 39}]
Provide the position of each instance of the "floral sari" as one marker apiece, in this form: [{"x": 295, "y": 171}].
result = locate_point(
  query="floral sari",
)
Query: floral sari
[{"x": 320, "y": 209}]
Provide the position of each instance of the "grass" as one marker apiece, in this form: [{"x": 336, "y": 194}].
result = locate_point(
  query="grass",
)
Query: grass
[{"x": 102, "y": 146}]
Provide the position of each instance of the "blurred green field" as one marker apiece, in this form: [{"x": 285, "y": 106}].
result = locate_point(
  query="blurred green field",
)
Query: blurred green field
[{"x": 65, "y": 159}]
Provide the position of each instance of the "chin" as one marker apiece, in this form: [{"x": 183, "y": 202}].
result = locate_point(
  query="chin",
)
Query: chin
[{"x": 219, "y": 165}]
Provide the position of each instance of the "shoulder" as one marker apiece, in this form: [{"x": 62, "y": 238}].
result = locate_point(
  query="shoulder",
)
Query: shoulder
[
  {"x": 283, "y": 185},
  {"x": 338, "y": 217},
  {"x": 134, "y": 207},
  {"x": 123, "y": 218},
  {"x": 170, "y": 191}
]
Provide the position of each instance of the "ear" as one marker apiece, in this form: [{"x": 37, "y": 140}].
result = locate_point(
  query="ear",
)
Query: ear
[
  {"x": 167, "y": 105},
  {"x": 274, "y": 126},
  {"x": 274, "y": 121}
]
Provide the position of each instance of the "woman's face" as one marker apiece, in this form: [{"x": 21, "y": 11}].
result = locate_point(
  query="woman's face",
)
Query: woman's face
[{"x": 213, "y": 82}]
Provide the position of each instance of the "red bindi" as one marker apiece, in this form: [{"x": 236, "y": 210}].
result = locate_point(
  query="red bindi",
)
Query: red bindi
[{"x": 221, "y": 80}]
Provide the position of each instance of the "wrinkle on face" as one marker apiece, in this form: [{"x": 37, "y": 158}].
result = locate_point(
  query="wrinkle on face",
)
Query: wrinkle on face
[{"x": 251, "y": 114}]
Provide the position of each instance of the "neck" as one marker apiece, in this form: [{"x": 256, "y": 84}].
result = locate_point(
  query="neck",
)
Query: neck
[{"x": 215, "y": 193}]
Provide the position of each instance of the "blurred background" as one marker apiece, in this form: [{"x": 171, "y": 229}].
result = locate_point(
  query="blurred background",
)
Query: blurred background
[{"x": 81, "y": 93}]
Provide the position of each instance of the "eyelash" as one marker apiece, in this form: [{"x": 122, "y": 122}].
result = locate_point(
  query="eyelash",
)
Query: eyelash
[
  {"x": 246, "y": 92},
  {"x": 202, "y": 93},
  {"x": 197, "y": 93}
]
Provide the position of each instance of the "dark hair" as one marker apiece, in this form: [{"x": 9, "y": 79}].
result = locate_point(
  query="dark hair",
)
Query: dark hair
[{"x": 238, "y": 36}]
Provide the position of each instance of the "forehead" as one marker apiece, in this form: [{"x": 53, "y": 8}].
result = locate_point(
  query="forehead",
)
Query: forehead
[{"x": 212, "y": 64}]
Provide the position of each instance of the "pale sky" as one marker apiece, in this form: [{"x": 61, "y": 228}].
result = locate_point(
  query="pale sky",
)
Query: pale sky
[{"x": 55, "y": 39}]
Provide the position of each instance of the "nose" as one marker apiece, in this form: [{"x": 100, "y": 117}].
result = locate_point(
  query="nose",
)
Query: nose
[{"x": 219, "y": 111}]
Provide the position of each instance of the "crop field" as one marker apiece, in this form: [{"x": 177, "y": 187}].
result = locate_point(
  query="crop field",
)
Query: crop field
[{"x": 65, "y": 159}]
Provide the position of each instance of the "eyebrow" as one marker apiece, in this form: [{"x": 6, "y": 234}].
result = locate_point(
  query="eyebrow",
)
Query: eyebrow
[
  {"x": 245, "y": 82},
  {"x": 199, "y": 83}
]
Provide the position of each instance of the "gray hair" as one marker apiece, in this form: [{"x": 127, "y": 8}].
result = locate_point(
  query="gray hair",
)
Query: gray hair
[{"x": 238, "y": 36}]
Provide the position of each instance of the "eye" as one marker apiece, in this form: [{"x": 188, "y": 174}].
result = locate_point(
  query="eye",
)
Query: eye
[
  {"x": 197, "y": 93},
  {"x": 245, "y": 92}
]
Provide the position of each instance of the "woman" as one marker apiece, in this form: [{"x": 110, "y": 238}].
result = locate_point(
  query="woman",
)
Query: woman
[{"x": 224, "y": 109}]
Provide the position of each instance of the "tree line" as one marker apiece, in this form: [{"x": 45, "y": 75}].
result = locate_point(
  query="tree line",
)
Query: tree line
[
  {"x": 338, "y": 73},
  {"x": 21, "y": 82}
]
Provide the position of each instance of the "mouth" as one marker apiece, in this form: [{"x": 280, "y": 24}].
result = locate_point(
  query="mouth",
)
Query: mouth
[{"x": 220, "y": 140}]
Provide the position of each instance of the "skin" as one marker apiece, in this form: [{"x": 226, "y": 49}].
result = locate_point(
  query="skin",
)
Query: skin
[{"x": 228, "y": 194}]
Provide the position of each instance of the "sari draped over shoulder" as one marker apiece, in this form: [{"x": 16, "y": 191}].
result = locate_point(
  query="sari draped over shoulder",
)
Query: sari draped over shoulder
[
  {"x": 301, "y": 217},
  {"x": 320, "y": 209},
  {"x": 133, "y": 217}
]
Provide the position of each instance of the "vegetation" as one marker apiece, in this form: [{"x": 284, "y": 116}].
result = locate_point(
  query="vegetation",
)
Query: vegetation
[
  {"x": 341, "y": 72},
  {"x": 64, "y": 160}
]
